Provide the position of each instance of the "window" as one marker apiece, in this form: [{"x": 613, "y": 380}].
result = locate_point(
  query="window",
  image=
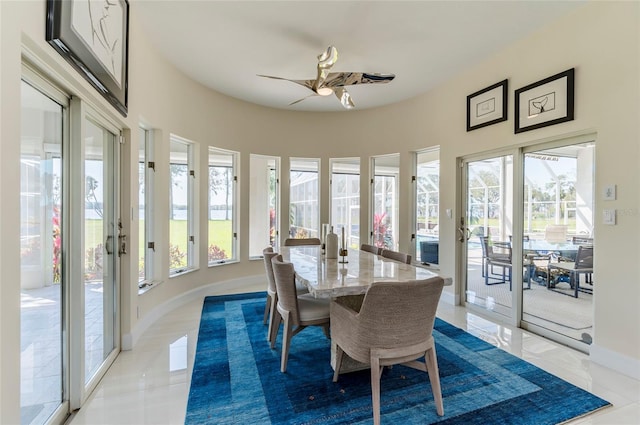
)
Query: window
[
  {"x": 182, "y": 206},
  {"x": 345, "y": 199},
  {"x": 264, "y": 174},
  {"x": 427, "y": 205},
  {"x": 146, "y": 170},
  {"x": 221, "y": 214},
  {"x": 304, "y": 198},
  {"x": 385, "y": 201}
]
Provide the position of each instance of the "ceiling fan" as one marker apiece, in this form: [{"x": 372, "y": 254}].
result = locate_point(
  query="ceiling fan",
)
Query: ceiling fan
[{"x": 328, "y": 83}]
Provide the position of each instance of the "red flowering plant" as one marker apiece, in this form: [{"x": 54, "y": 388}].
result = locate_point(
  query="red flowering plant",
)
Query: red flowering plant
[{"x": 57, "y": 245}]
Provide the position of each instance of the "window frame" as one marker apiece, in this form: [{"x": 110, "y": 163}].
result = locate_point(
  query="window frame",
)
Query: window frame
[
  {"x": 192, "y": 205},
  {"x": 235, "y": 160}
]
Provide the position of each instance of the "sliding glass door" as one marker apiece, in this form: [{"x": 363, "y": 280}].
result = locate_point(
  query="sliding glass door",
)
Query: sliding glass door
[
  {"x": 70, "y": 243},
  {"x": 43, "y": 347},
  {"x": 557, "y": 223},
  {"x": 527, "y": 237},
  {"x": 485, "y": 231}
]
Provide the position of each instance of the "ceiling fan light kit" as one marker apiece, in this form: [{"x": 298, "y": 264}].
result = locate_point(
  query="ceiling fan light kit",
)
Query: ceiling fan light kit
[{"x": 327, "y": 83}]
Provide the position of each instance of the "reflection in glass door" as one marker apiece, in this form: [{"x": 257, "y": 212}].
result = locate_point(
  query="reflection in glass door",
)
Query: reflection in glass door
[
  {"x": 100, "y": 247},
  {"x": 385, "y": 199},
  {"x": 42, "y": 383},
  {"x": 557, "y": 223},
  {"x": 486, "y": 231}
]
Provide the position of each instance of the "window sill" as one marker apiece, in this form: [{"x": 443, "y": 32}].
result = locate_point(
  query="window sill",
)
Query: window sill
[
  {"x": 147, "y": 286},
  {"x": 222, "y": 263},
  {"x": 182, "y": 272}
]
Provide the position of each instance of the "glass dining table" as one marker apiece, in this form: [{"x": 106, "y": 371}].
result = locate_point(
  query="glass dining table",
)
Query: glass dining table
[{"x": 329, "y": 278}]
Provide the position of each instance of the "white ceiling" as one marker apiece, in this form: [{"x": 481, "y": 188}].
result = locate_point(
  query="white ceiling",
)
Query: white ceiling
[{"x": 224, "y": 44}]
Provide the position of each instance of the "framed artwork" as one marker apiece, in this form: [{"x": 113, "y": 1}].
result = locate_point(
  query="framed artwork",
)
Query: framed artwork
[
  {"x": 93, "y": 35},
  {"x": 487, "y": 106},
  {"x": 546, "y": 102}
]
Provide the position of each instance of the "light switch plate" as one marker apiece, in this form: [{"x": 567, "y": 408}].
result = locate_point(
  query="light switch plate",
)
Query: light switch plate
[
  {"x": 609, "y": 217},
  {"x": 609, "y": 192}
]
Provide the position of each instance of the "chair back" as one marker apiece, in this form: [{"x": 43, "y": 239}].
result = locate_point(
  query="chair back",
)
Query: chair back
[
  {"x": 397, "y": 256},
  {"x": 400, "y": 313},
  {"x": 267, "y": 255},
  {"x": 285, "y": 277},
  {"x": 303, "y": 241},
  {"x": 370, "y": 248},
  {"x": 556, "y": 233},
  {"x": 584, "y": 257},
  {"x": 487, "y": 250}
]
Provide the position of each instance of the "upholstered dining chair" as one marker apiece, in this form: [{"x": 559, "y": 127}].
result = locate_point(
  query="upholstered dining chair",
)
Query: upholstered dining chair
[
  {"x": 370, "y": 248},
  {"x": 270, "y": 309},
  {"x": 392, "y": 324},
  {"x": 303, "y": 241},
  {"x": 397, "y": 256},
  {"x": 295, "y": 310}
]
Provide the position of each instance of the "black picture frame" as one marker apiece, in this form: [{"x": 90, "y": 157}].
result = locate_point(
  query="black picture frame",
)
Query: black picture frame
[
  {"x": 94, "y": 38},
  {"x": 545, "y": 102},
  {"x": 487, "y": 106}
]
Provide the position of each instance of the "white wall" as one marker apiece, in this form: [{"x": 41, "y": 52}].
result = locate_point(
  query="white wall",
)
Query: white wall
[{"x": 600, "y": 40}]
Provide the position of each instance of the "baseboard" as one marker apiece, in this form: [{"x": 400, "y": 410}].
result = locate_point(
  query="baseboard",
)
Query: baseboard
[
  {"x": 129, "y": 340},
  {"x": 449, "y": 297},
  {"x": 619, "y": 362}
]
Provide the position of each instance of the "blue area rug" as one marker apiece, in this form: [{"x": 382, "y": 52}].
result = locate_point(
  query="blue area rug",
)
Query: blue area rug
[{"x": 236, "y": 379}]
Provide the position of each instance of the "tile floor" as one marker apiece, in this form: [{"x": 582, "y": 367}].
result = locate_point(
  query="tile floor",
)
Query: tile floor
[{"x": 150, "y": 384}]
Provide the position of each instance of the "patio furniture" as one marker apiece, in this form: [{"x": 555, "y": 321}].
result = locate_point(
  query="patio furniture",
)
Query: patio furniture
[
  {"x": 491, "y": 259},
  {"x": 582, "y": 265},
  {"x": 556, "y": 233},
  {"x": 392, "y": 324}
]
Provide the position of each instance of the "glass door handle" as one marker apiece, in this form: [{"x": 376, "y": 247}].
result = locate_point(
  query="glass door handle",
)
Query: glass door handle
[
  {"x": 464, "y": 233},
  {"x": 108, "y": 245}
]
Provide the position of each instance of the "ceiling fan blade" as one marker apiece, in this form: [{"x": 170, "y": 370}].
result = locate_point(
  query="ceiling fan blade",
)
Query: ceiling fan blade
[
  {"x": 305, "y": 83},
  {"x": 326, "y": 60},
  {"x": 345, "y": 98},
  {"x": 340, "y": 79}
]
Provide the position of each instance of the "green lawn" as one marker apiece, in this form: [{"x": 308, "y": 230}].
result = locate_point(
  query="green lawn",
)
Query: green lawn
[{"x": 219, "y": 233}]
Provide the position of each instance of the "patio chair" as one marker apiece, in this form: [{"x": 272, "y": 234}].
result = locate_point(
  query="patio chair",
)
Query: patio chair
[
  {"x": 303, "y": 241},
  {"x": 556, "y": 233},
  {"x": 397, "y": 256},
  {"x": 492, "y": 259},
  {"x": 392, "y": 324},
  {"x": 582, "y": 265},
  {"x": 370, "y": 248},
  {"x": 299, "y": 311}
]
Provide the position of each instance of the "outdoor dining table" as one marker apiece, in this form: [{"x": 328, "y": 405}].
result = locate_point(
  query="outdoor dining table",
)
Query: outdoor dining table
[{"x": 329, "y": 278}]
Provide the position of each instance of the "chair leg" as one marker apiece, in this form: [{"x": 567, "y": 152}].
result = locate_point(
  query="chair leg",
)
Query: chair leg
[
  {"x": 375, "y": 389},
  {"x": 272, "y": 333},
  {"x": 267, "y": 306},
  {"x": 326, "y": 330},
  {"x": 275, "y": 325},
  {"x": 339, "y": 354},
  {"x": 286, "y": 341},
  {"x": 431, "y": 361}
]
